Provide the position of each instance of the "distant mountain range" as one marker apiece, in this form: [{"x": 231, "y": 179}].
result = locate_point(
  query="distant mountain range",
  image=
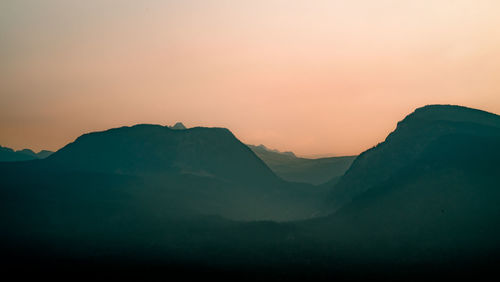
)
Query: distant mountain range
[
  {"x": 425, "y": 199},
  {"x": 292, "y": 168},
  {"x": 10, "y": 155},
  {"x": 262, "y": 149}
]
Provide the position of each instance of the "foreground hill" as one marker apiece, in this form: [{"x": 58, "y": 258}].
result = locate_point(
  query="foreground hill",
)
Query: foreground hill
[
  {"x": 9, "y": 155},
  {"x": 292, "y": 168}
]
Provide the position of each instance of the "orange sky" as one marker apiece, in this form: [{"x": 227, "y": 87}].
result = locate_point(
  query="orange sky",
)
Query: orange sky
[{"x": 314, "y": 77}]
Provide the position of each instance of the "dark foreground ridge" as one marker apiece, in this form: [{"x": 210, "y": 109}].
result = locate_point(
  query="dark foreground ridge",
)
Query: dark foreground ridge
[{"x": 151, "y": 200}]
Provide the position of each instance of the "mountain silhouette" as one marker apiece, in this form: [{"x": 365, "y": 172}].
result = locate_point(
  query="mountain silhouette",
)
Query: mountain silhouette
[
  {"x": 9, "y": 155},
  {"x": 425, "y": 199},
  {"x": 292, "y": 168},
  {"x": 427, "y": 194},
  {"x": 203, "y": 171},
  {"x": 154, "y": 149},
  {"x": 423, "y": 136}
]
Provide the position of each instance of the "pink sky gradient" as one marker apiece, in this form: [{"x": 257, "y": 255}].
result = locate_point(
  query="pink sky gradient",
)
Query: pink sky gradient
[{"x": 313, "y": 77}]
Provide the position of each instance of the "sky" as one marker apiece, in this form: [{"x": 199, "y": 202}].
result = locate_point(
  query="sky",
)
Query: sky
[{"x": 319, "y": 78}]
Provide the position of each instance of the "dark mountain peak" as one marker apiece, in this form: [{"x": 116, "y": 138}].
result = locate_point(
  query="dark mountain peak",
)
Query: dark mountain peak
[
  {"x": 450, "y": 113},
  {"x": 441, "y": 119},
  {"x": 447, "y": 109},
  {"x": 155, "y": 149},
  {"x": 179, "y": 126}
]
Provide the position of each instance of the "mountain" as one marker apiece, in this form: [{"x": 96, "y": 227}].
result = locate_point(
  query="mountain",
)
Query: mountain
[
  {"x": 154, "y": 149},
  {"x": 427, "y": 135},
  {"x": 292, "y": 168},
  {"x": 424, "y": 201},
  {"x": 428, "y": 194},
  {"x": 9, "y": 155},
  {"x": 174, "y": 173}
]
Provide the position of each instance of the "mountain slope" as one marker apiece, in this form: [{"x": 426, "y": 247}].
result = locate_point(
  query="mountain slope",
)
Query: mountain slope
[
  {"x": 420, "y": 134},
  {"x": 314, "y": 171},
  {"x": 428, "y": 194}
]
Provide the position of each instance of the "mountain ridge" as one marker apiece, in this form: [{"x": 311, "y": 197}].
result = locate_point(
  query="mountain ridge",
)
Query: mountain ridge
[
  {"x": 10, "y": 155},
  {"x": 147, "y": 147},
  {"x": 412, "y": 137}
]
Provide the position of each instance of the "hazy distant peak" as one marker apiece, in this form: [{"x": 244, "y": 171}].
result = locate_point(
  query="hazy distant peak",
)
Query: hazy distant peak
[
  {"x": 178, "y": 126},
  {"x": 262, "y": 147},
  {"x": 44, "y": 153}
]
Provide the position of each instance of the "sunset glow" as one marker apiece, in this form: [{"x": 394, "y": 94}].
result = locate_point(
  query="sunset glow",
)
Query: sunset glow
[{"x": 313, "y": 77}]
